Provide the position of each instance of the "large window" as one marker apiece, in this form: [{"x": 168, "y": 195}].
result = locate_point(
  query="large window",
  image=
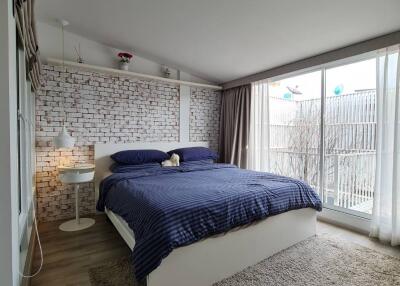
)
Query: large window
[
  {"x": 321, "y": 127},
  {"x": 295, "y": 119},
  {"x": 26, "y": 153}
]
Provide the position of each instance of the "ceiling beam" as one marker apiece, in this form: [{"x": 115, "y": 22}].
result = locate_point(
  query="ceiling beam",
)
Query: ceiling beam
[{"x": 334, "y": 55}]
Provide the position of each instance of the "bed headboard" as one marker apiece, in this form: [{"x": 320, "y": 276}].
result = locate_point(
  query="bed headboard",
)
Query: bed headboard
[{"x": 103, "y": 161}]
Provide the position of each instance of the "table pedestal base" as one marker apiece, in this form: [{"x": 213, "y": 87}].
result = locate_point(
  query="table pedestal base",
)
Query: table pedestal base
[
  {"x": 73, "y": 225},
  {"x": 78, "y": 223}
]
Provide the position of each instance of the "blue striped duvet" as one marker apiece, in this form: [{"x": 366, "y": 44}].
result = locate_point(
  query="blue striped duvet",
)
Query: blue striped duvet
[{"x": 172, "y": 207}]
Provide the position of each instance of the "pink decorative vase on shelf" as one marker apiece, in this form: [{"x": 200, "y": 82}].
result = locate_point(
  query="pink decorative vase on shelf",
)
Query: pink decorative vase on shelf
[
  {"x": 124, "y": 66},
  {"x": 125, "y": 58}
]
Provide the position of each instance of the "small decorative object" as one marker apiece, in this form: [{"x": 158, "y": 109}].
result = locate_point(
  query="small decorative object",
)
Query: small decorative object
[
  {"x": 125, "y": 58},
  {"x": 166, "y": 72},
  {"x": 172, "y": 162},
  {"x": 338, "y": 89},
  {"x": 294, "y": 90},
  {"x": 79, "y": 55},
  {"x": 288, "y": 96}
]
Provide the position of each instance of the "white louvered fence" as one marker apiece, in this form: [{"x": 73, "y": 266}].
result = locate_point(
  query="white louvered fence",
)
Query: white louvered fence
[{"x": 350, "y": 130}]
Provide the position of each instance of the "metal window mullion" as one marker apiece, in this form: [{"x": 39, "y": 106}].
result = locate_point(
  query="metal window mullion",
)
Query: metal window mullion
[{"x": 322, "y": 136}]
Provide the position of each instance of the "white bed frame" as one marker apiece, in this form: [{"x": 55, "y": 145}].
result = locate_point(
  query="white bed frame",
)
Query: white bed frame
[{"x": 212, "y": 259}]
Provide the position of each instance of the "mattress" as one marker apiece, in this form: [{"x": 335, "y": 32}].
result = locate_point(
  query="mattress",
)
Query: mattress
[{"x": 127, "y": 234}]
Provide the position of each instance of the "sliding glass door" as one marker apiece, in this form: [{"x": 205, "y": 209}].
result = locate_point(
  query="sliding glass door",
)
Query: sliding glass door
[
  {"x": 322, "y": 129},
  {"x": 349, "y": 134}
]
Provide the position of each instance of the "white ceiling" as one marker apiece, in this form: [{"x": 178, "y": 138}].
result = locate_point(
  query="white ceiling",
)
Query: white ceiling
[{"x": 221, "y": 40}]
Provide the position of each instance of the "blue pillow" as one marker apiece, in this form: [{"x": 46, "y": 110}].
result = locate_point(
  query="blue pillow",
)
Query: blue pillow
[
  {"x": 138, "y": 157},
  {"x": 194, "y": 154},
  {"x": 118, "y": 168}
]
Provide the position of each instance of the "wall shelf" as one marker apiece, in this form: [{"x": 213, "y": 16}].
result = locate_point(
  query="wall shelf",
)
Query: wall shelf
[{"x": 117, "y": 72}]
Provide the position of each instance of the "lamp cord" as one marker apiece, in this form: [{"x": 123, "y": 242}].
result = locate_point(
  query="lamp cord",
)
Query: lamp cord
[{"x": 63, "y": 67}]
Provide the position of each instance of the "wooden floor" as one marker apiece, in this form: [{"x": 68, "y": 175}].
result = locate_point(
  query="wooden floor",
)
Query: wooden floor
[{"x": 68, "y": 256}]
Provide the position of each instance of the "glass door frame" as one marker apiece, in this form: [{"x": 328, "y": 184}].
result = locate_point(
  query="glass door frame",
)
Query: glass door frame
[{"x": 323, "y": 68}]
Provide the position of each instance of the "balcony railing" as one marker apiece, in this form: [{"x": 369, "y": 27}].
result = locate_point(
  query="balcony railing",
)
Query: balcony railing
[{"x": 349, "y": 178}]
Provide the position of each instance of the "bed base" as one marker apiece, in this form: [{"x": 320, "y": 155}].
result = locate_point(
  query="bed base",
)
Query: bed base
[{"x": 210, "y": 260}]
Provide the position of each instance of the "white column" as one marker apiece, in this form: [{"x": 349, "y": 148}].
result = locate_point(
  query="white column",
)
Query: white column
[{"x": 184, "y": 113}]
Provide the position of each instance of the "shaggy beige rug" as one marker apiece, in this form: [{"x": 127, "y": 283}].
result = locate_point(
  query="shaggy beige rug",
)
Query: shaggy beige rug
[
  {"x": 114, "y": 273},
  {"x": 318, "y": 261}
]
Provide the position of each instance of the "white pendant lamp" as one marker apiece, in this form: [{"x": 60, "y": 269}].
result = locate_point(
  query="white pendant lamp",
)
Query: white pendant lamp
[{"x": 63, "y": 139}]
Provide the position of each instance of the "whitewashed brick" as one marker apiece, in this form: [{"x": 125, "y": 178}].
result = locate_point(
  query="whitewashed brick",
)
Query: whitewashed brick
[{"x": 101, "y": 109}]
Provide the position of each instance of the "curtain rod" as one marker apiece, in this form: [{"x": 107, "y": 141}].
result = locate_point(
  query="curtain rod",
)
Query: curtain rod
[{"x": 334, "y": 55}]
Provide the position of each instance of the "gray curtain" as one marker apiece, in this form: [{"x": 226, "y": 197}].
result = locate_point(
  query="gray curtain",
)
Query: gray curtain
[
  {"x": 235, "y": 125},
  {"x": 25, "y": 21}
]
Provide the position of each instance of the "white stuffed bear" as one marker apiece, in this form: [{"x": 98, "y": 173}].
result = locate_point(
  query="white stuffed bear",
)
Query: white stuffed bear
[{"x": 172, "y": 162}]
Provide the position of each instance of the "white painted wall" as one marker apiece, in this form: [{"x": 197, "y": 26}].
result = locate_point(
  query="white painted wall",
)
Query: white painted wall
[
  {"x": 50, "y": 46},
  {"x": 9, "y": 248}
]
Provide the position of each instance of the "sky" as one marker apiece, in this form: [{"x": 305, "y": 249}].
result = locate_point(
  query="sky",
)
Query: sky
[{"x": 344, "y": 79}]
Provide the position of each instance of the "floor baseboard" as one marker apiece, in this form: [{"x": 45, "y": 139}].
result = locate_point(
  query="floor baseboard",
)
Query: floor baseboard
[{"x": 350, "y": 222}]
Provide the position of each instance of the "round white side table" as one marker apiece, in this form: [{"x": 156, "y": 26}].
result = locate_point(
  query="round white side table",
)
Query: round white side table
[{"x": 76, "y": 174}]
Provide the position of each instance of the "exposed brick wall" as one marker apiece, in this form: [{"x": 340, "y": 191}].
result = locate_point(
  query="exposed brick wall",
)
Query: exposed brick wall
[
  {"x": 101, "y": 108},
  {"x": 205, "y": 107}
]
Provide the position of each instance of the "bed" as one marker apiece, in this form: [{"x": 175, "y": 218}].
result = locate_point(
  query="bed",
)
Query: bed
[{"x": 198, "y": 251}]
